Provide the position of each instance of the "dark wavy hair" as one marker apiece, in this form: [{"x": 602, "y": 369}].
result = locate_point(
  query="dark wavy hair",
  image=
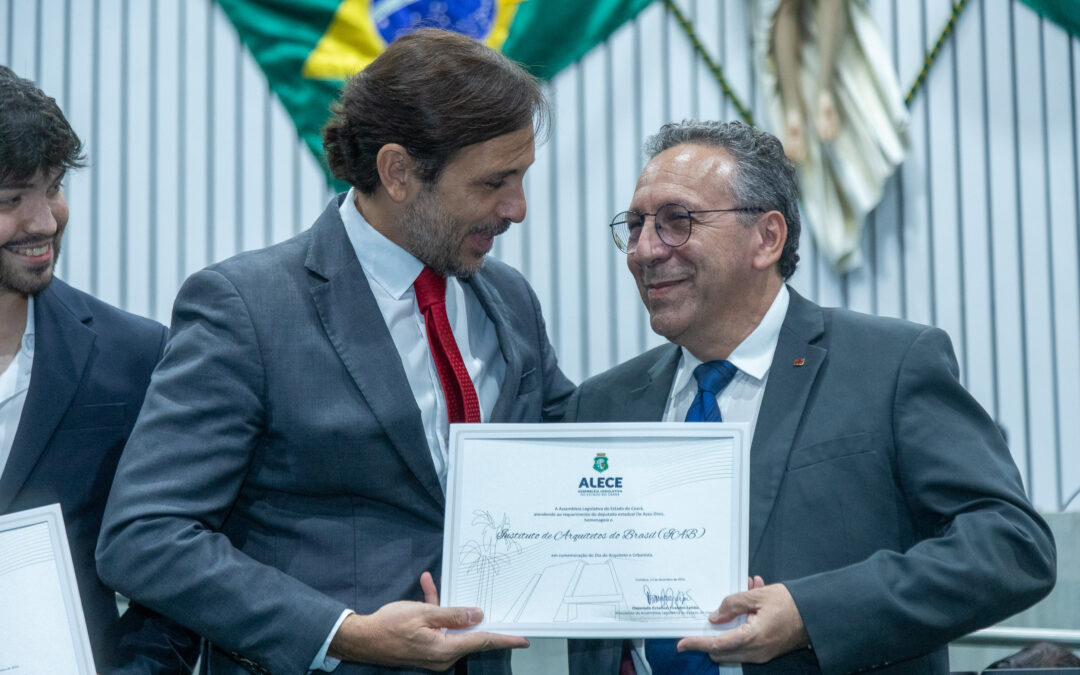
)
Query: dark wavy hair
[
  {"x": 764, "y": 176},
  {"x": 34, "y": 134},
  {"x": 434, "y": 92}
]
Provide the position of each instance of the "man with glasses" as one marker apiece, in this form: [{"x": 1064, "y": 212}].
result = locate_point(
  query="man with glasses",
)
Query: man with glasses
[{"x": 886, "y": 514}]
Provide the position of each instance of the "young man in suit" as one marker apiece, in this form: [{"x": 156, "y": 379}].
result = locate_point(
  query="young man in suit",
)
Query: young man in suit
[
  {"x": 73, "y": 372},
  {"x": 283, "y": 490},
  {"x": 886, "y": 514}
]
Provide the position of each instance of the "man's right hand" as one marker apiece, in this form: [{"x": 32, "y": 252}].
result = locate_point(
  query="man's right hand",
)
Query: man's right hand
[{"x": 406, "y": 633}]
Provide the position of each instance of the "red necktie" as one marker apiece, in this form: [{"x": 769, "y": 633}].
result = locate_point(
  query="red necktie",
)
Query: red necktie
[{"x": 461, "y": 402}]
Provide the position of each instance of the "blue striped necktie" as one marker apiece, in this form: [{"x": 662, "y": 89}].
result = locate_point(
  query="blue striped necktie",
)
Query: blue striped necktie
[{"x": 664, "y": 659}]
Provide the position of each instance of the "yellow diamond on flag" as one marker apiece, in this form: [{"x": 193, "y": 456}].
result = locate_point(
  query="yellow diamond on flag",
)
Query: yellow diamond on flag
[{"x": 361, "y": 29}]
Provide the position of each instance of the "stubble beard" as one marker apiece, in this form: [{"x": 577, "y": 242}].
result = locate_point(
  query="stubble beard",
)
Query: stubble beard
[
  {"x": 28, "y": 281},
  {"x": 437, "y": 238}
]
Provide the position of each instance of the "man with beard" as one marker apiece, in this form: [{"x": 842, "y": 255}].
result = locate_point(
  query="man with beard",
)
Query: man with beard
[
  {"x": 73, "y": 372},
  {"x": 283, "y": 491}
]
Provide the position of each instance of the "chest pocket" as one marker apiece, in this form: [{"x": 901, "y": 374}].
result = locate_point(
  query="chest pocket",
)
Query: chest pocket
[{"x": 832, "y": 449}]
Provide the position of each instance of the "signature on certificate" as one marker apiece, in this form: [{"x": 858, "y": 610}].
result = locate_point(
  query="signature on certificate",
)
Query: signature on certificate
[{"x": 669, "y": 598}]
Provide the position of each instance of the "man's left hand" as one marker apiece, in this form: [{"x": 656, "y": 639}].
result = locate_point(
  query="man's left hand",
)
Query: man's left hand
[{"x": 773, "y": 626}]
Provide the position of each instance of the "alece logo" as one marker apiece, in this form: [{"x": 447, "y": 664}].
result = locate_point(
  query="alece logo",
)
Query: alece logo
[{"x": 600, "y": 463}]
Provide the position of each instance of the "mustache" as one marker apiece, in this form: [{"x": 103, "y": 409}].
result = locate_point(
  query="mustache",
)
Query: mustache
[{"x": 492, "y": 230}]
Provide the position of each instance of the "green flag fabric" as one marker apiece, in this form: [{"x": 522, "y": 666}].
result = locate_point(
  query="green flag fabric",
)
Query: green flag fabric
[
  {"x": 307, "y": 48},
  {"x": 1065, "y": 13}
]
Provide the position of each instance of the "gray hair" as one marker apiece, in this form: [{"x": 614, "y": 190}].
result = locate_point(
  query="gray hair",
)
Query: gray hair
[{"x": 764, "y": 177}]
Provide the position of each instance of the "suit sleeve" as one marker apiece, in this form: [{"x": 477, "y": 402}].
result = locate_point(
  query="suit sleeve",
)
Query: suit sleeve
[
  {"x": 161, "y": 542},
  {"x": 982, "y": 552},
  {"x": 143, "y": 642}
]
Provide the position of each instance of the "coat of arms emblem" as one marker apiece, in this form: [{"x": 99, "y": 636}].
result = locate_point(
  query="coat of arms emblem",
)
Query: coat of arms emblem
[{"x": 600, "y": 463}]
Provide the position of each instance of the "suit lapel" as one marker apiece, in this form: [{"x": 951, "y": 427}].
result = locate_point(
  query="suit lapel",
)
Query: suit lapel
[
  {"x": 63, "y": 343},
  {"x": 782, "y": 407},
  {"x": 353, "y": 323},
  {"x": 649, "y": 401},
  {"x": 493, "y": 305}
]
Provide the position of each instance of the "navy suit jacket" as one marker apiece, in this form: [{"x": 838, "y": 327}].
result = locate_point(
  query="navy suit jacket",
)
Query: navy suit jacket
[
  {"x": 279, "y": 472},
  {"x": 881, "y": 493},
  {"x": 92, "y": 364}
]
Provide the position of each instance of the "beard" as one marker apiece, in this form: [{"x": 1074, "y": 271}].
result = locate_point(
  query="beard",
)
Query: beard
[
  {"x": 28, "y": 280},
  {"x": 437, "y": 238}
]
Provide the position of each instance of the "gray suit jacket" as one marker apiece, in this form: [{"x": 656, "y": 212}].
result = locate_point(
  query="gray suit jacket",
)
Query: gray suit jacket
[
  {"x": 881, "y": 494},
  {"x": 278, "y": 472}
]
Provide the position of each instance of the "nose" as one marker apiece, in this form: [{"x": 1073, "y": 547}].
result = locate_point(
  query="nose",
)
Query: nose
[
  {"x": 513, "y": 207},
  {"x": 649, "y": 246},
  {"x": 41, "y": 219}
]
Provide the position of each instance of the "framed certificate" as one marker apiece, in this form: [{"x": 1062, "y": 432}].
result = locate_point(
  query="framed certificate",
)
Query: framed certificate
[
  {"x": 596, "y": 530},
  {"x": 42, "y": 628}
]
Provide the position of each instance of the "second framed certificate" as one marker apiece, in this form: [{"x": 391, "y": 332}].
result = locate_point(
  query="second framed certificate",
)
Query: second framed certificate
[{"x": 596, "y": 530}]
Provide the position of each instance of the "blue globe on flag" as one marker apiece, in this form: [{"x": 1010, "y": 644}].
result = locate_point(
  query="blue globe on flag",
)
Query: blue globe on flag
[
  {"x": 394, "y": 18},
  {"x": 361, "y": 29}
]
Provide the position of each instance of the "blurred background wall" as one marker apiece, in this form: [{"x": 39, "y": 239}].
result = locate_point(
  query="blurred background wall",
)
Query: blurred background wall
[{"x": 193, "y": 160}]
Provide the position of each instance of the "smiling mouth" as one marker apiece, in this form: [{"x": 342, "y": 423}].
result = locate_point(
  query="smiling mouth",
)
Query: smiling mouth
[
  {"x": 34, "y": 250},
  {"x": 660, "y": 285}
]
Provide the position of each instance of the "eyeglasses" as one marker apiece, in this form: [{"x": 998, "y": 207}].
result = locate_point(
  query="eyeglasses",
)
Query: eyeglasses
[{"x": 673, "y": 223}]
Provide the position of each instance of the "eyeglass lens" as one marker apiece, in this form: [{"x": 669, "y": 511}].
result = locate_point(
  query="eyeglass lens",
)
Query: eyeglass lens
[{"x": 672, "y": 226}]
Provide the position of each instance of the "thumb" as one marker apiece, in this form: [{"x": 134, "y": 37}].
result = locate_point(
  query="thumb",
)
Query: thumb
[
  {"x": 455, "y": 617},
  {"x": 427, "y": 584}
]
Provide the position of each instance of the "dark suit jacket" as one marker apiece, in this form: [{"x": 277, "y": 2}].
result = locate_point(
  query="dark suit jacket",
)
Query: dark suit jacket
[
  {"x": 881, "y": 494},
  {"x": 92, "y": 363},
  {"x": 279, "y": 472}
]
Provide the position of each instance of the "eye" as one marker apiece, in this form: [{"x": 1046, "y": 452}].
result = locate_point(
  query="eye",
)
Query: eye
[
  {"x": 496, "y": 184},
  {"x": 11, "y": 200}
]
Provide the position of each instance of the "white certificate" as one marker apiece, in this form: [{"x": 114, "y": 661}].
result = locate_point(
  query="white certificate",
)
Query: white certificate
[
  {"x": 596, "y": 530},
  {"x": 42, "y": 628}
]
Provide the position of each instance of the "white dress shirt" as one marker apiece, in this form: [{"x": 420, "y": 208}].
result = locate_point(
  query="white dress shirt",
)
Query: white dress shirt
[
  {"x": 391, "y": 271},
  {"x": 739, "y": 401},
  {"x": 14, "y": 383}
]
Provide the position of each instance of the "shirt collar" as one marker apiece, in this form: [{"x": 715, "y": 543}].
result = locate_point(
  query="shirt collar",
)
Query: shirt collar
[
  {"x": 384, "y": 262},
  {"x": 15, "y": 379},
  {"x": 754, "y": 354}
]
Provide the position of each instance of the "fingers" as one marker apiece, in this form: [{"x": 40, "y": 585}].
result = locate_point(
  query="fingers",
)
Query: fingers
[
  {"x": 454, "y": 617},
  {"x": 715, "y": 645},
  {"x": 427, "y": 584},
  {"x": 756, "y": 582},
  {"x": 734, "y": 605},
  {"x": 697, "y": 644},
  {"x": 481, "y": 642}
]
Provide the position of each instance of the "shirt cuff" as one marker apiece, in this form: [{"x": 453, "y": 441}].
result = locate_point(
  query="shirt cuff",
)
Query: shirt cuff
[{"x": 322, "y": 661}]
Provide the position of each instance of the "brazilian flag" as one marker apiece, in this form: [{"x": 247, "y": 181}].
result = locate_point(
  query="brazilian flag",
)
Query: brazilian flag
[{"x": 307, "y": 48}]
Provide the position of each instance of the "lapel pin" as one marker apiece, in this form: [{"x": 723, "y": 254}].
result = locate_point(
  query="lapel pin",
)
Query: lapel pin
[{"x": 799, "y": 362}]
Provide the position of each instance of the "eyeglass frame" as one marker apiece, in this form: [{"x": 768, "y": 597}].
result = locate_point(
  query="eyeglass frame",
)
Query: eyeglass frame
[{"x": 689, "y": 230}]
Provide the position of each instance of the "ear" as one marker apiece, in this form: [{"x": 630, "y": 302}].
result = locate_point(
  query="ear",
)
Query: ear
[
  {"x": 396, "y": 171},
  {"x": 772, "y": 234}
]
